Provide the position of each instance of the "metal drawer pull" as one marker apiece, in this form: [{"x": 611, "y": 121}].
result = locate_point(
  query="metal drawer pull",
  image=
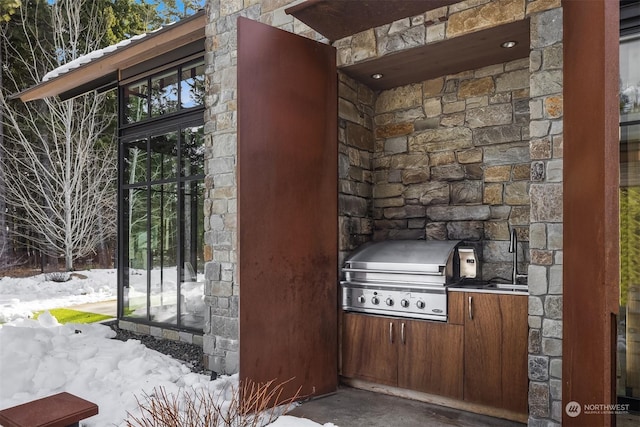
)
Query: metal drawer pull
[
  {"x": 470, "y": 308},
  {"x": 402, "y": 333},
  {"x": 390, "y": 332}
]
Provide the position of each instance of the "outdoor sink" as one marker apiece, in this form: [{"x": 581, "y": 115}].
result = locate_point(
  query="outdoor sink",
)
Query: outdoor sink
[
  {"x": 476, "y": 285},
  {"x": 508, "y": 287}
]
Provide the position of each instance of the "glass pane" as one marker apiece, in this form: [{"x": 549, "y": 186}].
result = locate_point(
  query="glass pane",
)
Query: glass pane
[
  {"x": 164, "y": 93},
  {"x": 163, "y": 246},
  {"x": 628, "y": 351},
  {"x": 192, "y": 231},
  {"x": 164, "y": 159},
  {"x": 136, "y": 107},
  {"x": 192, "y": 85},
  {"x": 135, "y": 162},
  {"x": 630, "y": 155},
  {"x": 193, "y": 151},
  {"x": 135, "y": 205},
  {"x": 630, "y": 79}
]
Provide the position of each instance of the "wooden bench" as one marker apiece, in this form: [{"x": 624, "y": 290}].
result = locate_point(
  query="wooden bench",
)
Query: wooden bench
[{"x": 58, "y": 410}]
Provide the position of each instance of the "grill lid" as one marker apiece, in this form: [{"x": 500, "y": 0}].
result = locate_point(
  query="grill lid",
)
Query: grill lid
[{"x": 425, "y": 256}]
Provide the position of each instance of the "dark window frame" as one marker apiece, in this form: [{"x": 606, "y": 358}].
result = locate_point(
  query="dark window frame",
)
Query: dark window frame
[
  {"x": 177, "y": 121},
  {"x": 629, "y": 30},
  {"x": 147, "y": 78}
]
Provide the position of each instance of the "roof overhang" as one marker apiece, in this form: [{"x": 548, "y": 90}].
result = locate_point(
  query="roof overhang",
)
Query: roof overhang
[
  {"x": 336, "y": 19},
  {"x": 468, "y": 52},
  {"x": 104, "y": 72}
]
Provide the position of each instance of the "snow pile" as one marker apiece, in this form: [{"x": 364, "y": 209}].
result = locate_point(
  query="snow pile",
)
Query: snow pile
[
  {"x": 41, "y": 358},
  {"x": 20, "y": 297}
]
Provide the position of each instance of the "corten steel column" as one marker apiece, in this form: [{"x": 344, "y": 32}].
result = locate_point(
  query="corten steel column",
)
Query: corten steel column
[
  {"x": 287, "y": 212},
  {"x": 591, "y": 227}
]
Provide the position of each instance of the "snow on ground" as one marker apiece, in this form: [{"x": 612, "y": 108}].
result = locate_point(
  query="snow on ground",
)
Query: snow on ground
[
  {"x": 41, "y": 358},
  {"x": 20, "y": 297}
]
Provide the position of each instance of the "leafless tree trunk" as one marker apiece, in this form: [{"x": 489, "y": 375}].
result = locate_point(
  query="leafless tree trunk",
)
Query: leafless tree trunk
[
  {"x": 5, "y": 244},
  {"x": 59, "y": 171}
]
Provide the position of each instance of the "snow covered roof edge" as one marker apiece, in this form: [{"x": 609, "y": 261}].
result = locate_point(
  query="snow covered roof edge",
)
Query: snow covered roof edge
[
  {"x": 57, "y": 77},
  {"x": 91, "y": 56}
]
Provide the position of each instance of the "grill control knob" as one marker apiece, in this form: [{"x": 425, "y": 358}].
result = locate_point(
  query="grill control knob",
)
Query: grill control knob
[
  {"x": 375, "y": 300},
  {"x": 404, "y": 303},
  {"x": 361, "y": 299},
  {"x": 389, "y": 302},
  {"x": 420, "y": 304}
]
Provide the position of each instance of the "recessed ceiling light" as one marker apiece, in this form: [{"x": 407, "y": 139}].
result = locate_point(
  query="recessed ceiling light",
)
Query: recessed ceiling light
[
  {"x": 377, "y": 76},
  {"x": 509, "y": 44}
]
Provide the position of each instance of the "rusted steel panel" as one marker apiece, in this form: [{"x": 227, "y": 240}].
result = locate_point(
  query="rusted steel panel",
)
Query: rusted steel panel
[
  {"x": 58, "y": 410},
  {"x": 591, "y": 171},
  {"x": 287, "y": 195}
]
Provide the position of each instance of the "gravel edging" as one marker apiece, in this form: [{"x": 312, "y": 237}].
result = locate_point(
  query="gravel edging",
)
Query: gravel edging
[{"x": 189, "y": 354}]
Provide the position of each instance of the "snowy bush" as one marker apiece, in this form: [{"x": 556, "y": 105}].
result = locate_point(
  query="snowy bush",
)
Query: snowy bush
[
  {"x": 58, "y": 276},
  {"x": 248, "y": 405}
]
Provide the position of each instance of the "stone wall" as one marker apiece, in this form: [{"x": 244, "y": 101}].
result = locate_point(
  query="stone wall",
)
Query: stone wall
[
  {"x": 452, "y": 162},
  {"x": 444, "y": 159},
  {"x": 164, "y": 333},
  {"x": 545, "y": 270},
  {"x": 451, "y": 157},
  {"x": 355, "y": 156}
]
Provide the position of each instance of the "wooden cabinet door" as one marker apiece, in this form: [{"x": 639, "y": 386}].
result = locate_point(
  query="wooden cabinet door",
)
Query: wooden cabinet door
[
  {"x": 482, "y": 355},
  {"x": 431, "y": 358},
  {"x": 495, "y": 350},
  {"x": 369, "y": 348},
  {"x": 515, "y": 331}
]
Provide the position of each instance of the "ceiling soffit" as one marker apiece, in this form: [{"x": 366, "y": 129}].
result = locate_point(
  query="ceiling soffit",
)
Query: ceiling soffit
[
  {"x": 468, "y": 52},
  {"x": 336, "y": 19}
]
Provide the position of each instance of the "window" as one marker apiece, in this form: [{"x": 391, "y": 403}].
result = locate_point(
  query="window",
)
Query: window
[
  {"x": 162, "y": 199},
  {"x": 628, "y": 354},
  {"x": 160, "y": 94},
  {"x": 163, "y": 228},
  {"x": 192, "y": 85}
]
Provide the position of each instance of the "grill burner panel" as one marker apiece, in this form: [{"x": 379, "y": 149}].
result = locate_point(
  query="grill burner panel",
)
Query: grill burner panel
[
  {"x": 424, "y": 303},
  {"x": 401, "y": 278}
]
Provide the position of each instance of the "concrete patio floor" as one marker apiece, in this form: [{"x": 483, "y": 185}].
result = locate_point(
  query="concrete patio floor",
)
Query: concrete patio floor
[{"x": 350, "y": 407}]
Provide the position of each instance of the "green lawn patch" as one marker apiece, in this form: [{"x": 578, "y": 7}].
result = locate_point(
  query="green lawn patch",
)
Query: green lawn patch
[{"x": 65, "y": 315}]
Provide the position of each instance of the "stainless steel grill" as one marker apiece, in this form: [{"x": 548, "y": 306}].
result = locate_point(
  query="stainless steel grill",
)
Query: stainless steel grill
[{"x": 406, "y": 278}]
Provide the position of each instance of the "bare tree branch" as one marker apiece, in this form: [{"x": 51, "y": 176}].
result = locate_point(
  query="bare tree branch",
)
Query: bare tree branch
[{"x": 60, "y": 168}]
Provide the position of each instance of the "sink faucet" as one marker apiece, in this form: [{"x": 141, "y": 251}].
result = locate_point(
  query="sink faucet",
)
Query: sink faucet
[{"x": 513, "y": 248}]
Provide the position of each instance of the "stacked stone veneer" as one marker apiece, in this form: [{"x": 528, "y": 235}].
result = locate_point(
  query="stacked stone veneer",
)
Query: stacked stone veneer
[
  {"x": 461, "y": 169},
  {"x": 356, "y": 146},
  {"x": 446, "y": 158},
  {"x": 164, "y": 333},
  {"x": 545, "y": 270}
]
